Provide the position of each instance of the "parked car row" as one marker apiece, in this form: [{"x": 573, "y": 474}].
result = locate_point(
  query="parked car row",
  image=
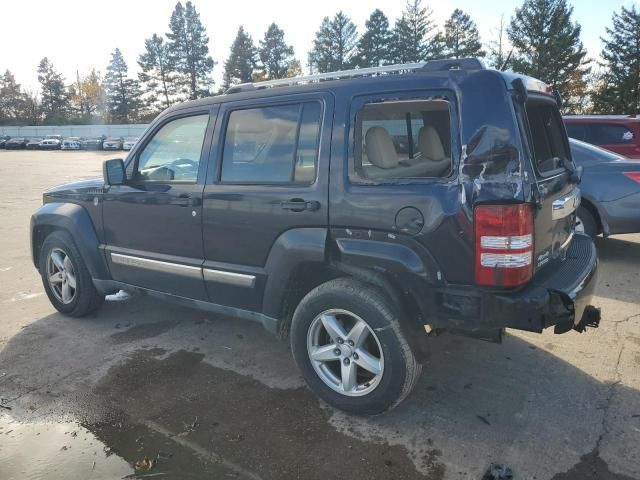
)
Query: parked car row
[{"x": 57, "y": 142}]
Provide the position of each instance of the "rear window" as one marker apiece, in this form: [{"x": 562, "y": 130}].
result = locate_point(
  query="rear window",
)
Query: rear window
[
  {"x": 398, "y": 140},
  {"x": 547, "y": 135}
]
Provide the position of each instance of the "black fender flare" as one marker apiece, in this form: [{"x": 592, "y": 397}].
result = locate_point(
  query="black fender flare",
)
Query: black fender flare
[
  {"x": 291, "y": 249},
  {"x": 75, "y": 220}
]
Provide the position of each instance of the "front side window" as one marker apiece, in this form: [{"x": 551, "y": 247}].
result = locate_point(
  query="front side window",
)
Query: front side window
[
  {"x": 273, "y": 144},
  {"x": 173, "y": 154},
  {"x": 398, "y": 140}
]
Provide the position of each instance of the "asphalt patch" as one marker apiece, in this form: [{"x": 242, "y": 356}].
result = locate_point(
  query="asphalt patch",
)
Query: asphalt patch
[
  {"x": 273, "y": 433},
  {"x": 590, "y": 467}
]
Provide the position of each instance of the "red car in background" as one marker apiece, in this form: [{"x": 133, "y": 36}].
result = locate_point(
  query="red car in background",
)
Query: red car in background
[{"x": 618, "y": 133}]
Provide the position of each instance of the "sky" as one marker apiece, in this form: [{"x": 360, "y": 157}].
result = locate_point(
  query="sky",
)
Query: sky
[{"x": 78, "y": 35}]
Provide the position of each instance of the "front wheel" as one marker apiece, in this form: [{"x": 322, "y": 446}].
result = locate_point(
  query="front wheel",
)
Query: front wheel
[
  {"x": 347, "y": 342},
  {"x": 585, "y": 223},
  {"x": 65, "y": 277}
]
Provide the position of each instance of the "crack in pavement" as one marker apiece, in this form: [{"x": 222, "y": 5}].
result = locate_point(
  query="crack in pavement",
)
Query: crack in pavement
[
  {"x": 200, "y": 451},
  {"x": 604, "y": 429}
]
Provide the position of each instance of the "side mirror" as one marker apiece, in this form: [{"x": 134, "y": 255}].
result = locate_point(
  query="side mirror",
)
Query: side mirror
[{"x": 113, "y": 172}]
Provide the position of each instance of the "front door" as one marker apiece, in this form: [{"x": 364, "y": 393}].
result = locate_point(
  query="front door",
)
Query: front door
[
  {"x": 153, "y": 223},
  {"x": 272, "y": 161}
]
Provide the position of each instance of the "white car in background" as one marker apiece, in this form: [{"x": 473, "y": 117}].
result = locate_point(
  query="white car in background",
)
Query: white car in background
[
  {"x": 129, "y": 142},
  {"x": 71, "y": 143}
]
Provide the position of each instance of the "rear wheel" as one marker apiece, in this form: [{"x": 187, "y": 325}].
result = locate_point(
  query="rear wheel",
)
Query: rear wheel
[
  {"x": 347, "y": 342},
  {"x": 65, "y": 277},
  {"x": 585, "y": 223}
]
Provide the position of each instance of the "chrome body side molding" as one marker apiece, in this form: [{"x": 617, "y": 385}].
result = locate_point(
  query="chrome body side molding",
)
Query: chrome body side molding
[
  {"x": 208, "y": 274},
  {"x": 156, "y": 265},
  {"x": 230, "y": 278}
]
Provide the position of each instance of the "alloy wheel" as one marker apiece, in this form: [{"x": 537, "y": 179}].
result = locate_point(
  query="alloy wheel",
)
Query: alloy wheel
[
  {"x": 61, "y": 276},
  {"x": 345, "y": 352}
]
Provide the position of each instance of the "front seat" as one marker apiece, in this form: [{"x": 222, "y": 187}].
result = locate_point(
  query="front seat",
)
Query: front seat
[{"x": 430, "y": 145}]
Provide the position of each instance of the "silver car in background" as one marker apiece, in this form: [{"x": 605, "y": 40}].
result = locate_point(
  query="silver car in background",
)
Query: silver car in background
[
  {"x": 112, "y": 143},
  {"x": 129, "y": 142},
  {"x": 610, "y": 191}
]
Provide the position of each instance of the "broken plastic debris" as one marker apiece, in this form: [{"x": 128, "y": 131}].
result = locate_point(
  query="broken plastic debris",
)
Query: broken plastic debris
[
  {"x": 145, "y": 463},
  {"x": 119, "y": 296},
  {"x": 498, "y": 472}
]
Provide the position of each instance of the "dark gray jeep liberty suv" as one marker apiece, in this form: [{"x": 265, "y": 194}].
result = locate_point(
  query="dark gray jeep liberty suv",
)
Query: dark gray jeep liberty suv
[{"x": 355, "y": 213}]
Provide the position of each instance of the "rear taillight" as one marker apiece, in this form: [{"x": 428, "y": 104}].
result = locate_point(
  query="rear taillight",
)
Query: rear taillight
[
  {"x": 504, "y": 245},
  {"x": 635, "y": 176}
]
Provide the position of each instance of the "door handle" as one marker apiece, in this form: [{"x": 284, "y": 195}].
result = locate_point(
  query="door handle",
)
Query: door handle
[{"x": 300, "y": 205}]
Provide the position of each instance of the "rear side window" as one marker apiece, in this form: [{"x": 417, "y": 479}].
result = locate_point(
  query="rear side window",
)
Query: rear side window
[
  {"x": 273, "y": 144},
  {"x": 609, "y": 134},
  {"x": 396, "y": 140},
  {"x": 577, "y": 131},
  {"x": 549, "y": 145}
]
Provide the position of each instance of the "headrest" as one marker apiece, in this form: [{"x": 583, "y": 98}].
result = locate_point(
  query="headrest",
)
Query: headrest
[
  {"x": 430, "y": 144},
  {"x": 379, "y": 147}
]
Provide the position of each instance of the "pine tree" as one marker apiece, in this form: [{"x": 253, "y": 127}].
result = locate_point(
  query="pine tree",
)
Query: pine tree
[
  {"x": 239, "y": 67},
  {"x": 157, "y": 76},
  {"x": 55, "y": 100},
  {"x": 619, "y": 91},
  {"x": 335, "y": 44},
  {"x": 122, "y": 93},
  {"x": 275, "y": 54},
  {"x": 414, "y": 39},
  {"x": 548, "y": 46},
  {"x": 189, "y": 50},
  {"x": 31, "y": 113},
  {"x": 12, "y": 100},
  {"x": 461, "y": 37},
  {"x": 374, "y": 44},
  {"x": 499, "y": 50}
]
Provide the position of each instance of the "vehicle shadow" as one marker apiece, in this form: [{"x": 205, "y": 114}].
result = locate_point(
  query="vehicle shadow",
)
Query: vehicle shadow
[
  {"x": 619, "y": 261},
  {"x": 228, "y": 391}
]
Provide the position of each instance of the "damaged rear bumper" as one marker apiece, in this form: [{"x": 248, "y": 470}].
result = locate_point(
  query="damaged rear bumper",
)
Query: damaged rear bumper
[{"x": 558, "y": 297}]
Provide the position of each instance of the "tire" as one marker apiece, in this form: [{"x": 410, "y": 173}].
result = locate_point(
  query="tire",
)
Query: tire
[
  {"x": 588, "y": 223},
  {"x": 349, "y": 302},
  {"x": 79, "y": 301}
]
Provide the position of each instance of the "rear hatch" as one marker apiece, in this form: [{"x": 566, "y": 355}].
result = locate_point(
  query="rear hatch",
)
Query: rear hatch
[{"x": 555, "y": 187}]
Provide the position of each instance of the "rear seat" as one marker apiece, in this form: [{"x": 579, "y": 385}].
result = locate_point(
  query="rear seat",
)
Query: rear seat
[{"x": 385, "y": 162}]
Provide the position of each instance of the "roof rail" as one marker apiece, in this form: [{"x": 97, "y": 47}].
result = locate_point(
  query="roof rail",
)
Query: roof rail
[{"x": 430, "y": 66}]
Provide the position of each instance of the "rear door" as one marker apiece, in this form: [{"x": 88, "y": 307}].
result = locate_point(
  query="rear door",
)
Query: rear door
[
  {"x": 271, "y": 175},
  {"x": 558, "y": 196}
]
